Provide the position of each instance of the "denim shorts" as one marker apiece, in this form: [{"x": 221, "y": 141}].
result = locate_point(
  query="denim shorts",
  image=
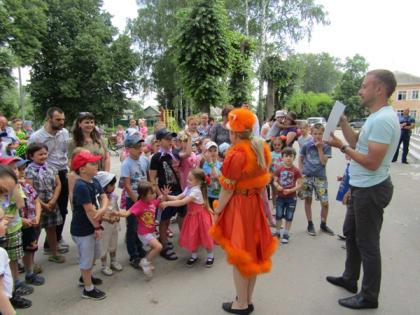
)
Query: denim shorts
[
  {"x": 319, "y": 185},
  {"x": 285, "y": 208},
  {"x": 89, "y": 250}
]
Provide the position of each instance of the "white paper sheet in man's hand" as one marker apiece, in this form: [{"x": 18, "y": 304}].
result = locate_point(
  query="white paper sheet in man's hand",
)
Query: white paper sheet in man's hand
[{"x": 333, "y": 119}]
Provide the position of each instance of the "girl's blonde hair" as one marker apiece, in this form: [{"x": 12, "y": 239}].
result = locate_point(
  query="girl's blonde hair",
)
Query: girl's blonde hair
[
  {"x": 194, "y": 118},
  {"x": 257, "y": 145},
  {"x": 200, "y": 176}
]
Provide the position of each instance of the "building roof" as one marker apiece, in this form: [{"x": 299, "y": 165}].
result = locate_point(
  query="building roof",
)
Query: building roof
[{"x": 406, "y": 78}]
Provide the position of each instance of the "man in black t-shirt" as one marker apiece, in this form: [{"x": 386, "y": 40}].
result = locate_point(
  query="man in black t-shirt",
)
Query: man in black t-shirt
[{"x": 162, "y": 173}]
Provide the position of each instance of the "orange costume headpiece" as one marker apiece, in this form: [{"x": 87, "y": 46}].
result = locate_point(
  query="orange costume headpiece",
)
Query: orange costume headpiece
[{"x": 240, "y": 120}]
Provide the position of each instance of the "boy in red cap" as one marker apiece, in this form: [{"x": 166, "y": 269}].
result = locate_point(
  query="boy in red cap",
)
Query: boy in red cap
[{"x": 86, "y": 228}]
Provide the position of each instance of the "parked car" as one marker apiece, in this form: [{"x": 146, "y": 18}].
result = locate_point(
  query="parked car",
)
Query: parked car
[
  {"x": 299, "y": 122},
  {"x": 316, "y": 120},
  {"x": 358, "y": 123}
]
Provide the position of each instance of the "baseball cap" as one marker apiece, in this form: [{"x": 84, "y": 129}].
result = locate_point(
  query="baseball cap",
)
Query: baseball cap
[
  {"x": 280, "y": 113},
  {"x": 164, "y": 133},
  {"x": 21, "y": 162},
  {"x": 83, "y": 158},
  {"x": 131, "y": 141},
  {"x": 210, "y": 144},
  {"x": 223, "y": 147},
  {"x": 133, "y": 132},
  {"x": 9, "y": 159},
  {"x": 104, "y": 178}
]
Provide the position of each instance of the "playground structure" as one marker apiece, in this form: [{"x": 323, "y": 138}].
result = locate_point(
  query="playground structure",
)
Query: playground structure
[{"x": 168, "y": 117}]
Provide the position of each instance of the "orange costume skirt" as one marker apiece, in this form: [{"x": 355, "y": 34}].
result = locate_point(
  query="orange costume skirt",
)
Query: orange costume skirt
[{"x": 243, "y": 232}]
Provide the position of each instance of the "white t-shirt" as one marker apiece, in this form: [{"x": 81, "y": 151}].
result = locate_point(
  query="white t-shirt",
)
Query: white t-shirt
[
  {"x": 195, "y": 193},
  {"x": 5, "y": 272}
]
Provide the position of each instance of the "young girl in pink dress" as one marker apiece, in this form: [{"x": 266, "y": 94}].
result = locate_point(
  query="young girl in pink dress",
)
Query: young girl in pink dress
[{"x": 198, "y": 221}]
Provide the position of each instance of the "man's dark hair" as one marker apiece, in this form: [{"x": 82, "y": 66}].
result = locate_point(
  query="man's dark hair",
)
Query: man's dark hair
[
  {"x": 52, "y": 110},
  {"x": 387, "y": 78},
  {"x": 287, "y": 151}
]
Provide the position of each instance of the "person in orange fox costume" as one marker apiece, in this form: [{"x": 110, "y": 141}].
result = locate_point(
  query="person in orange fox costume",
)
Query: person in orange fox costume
[{"x": 241, "y": 228}]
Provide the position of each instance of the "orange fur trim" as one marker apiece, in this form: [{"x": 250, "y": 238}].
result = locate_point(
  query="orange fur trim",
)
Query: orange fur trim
[
  {"x": 254, "y": 182},
  {"x": 241, "y": 119},
  {"x": 240, "y": 258}
]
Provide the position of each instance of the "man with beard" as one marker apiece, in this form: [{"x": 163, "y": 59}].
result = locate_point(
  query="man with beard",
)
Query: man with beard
[
  {"x": 56, "y": 137},
  {"x": 371, "y": 189}
]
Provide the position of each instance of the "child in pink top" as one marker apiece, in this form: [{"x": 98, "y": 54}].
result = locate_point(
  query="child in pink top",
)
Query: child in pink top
[
  {"x": 198, "y": 221},
  {"x": 143, "y": 128},
  {"x": 188, "y": 158},
  {"x": 144, "y": 209}
]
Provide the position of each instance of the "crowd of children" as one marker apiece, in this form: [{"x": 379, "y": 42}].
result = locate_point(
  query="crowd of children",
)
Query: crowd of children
[{"x": 172, "y": 175}]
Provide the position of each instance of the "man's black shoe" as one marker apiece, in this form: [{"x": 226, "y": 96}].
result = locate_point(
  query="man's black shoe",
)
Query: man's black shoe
[
  {"x": 341, "y": 282},
  {"x": 357, "y": 302},
  {"x": 405, "y": 162}
]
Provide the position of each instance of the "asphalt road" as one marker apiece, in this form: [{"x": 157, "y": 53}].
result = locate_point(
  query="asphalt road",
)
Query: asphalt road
[{"x": 296, "y": 284}]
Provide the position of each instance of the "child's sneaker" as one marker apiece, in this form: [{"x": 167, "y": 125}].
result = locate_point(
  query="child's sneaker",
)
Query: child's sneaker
[
  {"x": 209, "y": 262},
  {"x": 95, "y": 294},
  {"x": 191, "y": 261},
  {"x": 23, "y": 289},
  {"x": 285, "y": 238},
  {"x": 311, "y": 229},
  {"x": 20, "y": 302},
  {"x": 115, "y": 265},
  {"x": 34, "y": 279},
  {"x": 147, "y": 268},
  {"x": 95, "y": 281},
  {"x": 107, "y": 271},
  {"x": 326, "y": 229},
  {"x": 276, "y": 234}
]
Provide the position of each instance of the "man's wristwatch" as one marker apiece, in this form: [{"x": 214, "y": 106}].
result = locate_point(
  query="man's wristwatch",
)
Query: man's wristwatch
[{"x": 343, "y": 148}]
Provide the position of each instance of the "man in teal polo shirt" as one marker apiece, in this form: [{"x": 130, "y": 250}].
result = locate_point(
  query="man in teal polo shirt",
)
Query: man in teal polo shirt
[{"x": 371, "y": 188}]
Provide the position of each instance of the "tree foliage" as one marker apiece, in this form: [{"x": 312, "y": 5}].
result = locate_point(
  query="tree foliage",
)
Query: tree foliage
[
  {"x": 321, "y": 72},
  {"x": 310, "y": 104},
  {"x": 22, "y": 24},
  {"x": 347, "y": 90},
  {"x": 281, "y": 77},
  {"x": 152, "y": 31},
  {"x": 81, "y": 67},
  {"x": 240, "y": 87},
  {"x": 203, "y": 52}
]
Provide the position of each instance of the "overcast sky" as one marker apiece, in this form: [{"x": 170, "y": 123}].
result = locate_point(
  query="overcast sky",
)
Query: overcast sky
[{"x": 384, "y": 32}]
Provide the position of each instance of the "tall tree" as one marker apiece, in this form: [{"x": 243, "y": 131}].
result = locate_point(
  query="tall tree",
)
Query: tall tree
[
  {"x": 240, "y": 87},
  {"x": 152, "y": 31},
  {"x": 347, "y": 90},
  {"x": 321, "y": 72},
  {"x": 281, "y": 77},
  {"x": 22, "y": 24},
  {"x": 81, "y": 67},
  {"x": 203, "y": 50},
  {"x": 276, "y": 24}
]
